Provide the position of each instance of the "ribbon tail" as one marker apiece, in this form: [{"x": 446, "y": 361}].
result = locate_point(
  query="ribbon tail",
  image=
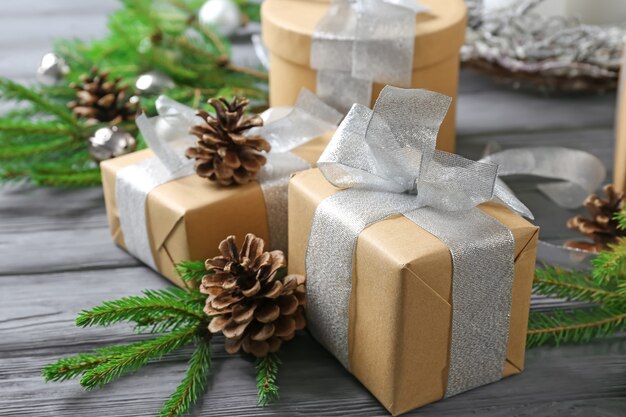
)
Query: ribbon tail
[{"x": 505, "y": 196}]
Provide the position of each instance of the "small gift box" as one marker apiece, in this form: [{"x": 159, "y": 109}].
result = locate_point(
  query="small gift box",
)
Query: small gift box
[
  {"x": 161, "y": 212},
  {"x": 417, "y": 281},
  {"x": 346, "y": 51}
]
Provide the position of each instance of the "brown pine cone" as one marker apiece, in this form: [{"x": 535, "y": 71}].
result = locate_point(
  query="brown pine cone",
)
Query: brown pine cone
[
  {"x": 100, "y": 100},
  {"x": 222, "y": 152},
  {"x": 602, "y": 228},
  {"x": 250, "y": 299}
]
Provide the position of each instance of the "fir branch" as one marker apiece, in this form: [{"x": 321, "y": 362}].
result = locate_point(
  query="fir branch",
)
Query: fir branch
[
  {"x": 33, "y": 148},
  {"x": 10, "y": 90},
  {"x": 137, "y": 355},
  {"x": 192, "y": 271},
  {"x": 30, "y": 127},
  {"x": 70, "y": 179},
  {"x": 609, "y": 265},
  {"x": 578, "y": 326},
  {"x": 74, "y": 366},
  {"x": 267, "y": 372},
  {"x": 574, "y": 286},
  {"x": 168, "y": 308},
  {"x": 193, "y": 384}
]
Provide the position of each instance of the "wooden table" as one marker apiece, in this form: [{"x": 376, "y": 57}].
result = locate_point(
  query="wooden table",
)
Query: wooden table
[{"x": 56, "y": 258}]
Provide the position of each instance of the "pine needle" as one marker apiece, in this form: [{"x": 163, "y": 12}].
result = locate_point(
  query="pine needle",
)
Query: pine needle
[
  {"x": 267, "y": 373},
  {"x": 579, "y": 325},
  {"x": 192, "y": 271},
  {"x": 574, "y": 286},
  {"x": 10, "y": 90},
  {"x": 135, "y": 356},
  {"x": 193, "y": 384},
  {"x": 163, "y": 310},
  {"x": 610, "y": 265}
]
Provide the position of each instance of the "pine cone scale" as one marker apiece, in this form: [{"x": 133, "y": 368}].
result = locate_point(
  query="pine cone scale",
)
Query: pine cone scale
[{"x": 602, "y": 229}]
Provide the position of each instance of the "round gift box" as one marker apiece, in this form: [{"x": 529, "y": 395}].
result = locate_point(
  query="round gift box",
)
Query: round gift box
[{"x": 288, "y": 26}]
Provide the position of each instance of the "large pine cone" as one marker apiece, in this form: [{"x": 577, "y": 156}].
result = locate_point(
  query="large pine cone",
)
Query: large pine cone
[
  {"x": 250, "y": 299},
  {"x": 222, "y": 152},
  {"x": 100, "y": 100},
  {"x": 602, "y": 228}
]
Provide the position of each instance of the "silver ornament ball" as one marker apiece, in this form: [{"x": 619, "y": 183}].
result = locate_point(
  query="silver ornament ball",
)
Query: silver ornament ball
[
  {"x": 110, "y": 142},
  {"x": 153, "y": 82},
  {"x": 52, "y": 69},
  {"x": 222, "y": 15}
]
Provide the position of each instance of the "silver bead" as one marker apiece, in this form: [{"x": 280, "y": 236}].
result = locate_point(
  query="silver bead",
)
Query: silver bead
[
  {"x": 222, "y": 15},
  {"x": 52, "y": 69},
  {"x": 110, "y": 142},
  {"x": 153, "y": 82}
]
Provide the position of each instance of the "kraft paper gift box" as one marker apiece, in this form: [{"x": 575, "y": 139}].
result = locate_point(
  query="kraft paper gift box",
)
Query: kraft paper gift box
[
  {"x": 187, "y": 217},
  {"x": 288, "y": 27},
  {"x": 400, "y": 303}
]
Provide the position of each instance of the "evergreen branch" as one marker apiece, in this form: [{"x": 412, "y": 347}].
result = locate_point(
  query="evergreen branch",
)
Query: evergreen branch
[
  {"x": 267, "y": 372},
  {"x": 193, "y": 384},
  {"x": 68, "y": 368},
  {"x": 135, "y": 356},
  {"x": 578, "y": 326},
  {"x": 192, "y": 271},
  {"x": 73, "y": 366},
  {"x": 171, "y": 306},
  {"x": 609, "y": 265},
  {"x": 34, "y": 148},
  {"x": 30, "y": 127},
  {"x": 10, "y": 90},
  {"x": 70, "y": 179},
  {"x": 574, "y": 286}
]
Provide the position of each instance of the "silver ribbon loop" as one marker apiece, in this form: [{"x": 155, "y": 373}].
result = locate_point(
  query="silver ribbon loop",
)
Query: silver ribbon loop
[
  {"x": 168, "y": 135},
  {"x": 387, "y": 159},
  {"x": 580, "y": 174},
  {"x": 361, "y": 41}
]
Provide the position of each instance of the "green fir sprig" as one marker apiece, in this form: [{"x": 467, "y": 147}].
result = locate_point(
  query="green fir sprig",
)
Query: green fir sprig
[
  {"x": 41, "y": 141},
  {"x": 175, "y": 318},
  {"x": 267, "y": 373},
  {"x": 603, "y": 289}
]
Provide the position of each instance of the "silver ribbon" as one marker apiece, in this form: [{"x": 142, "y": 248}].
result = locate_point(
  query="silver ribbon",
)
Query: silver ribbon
[
  {"x": 168, "y": 135},
  {"x": 386, "y": 159},
  {"x": 361, "y": 41},
  {"x": 578, "y": 173}
]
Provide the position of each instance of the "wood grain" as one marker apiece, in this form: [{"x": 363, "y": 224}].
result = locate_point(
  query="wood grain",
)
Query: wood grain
[{"x": 57, "y": 258}]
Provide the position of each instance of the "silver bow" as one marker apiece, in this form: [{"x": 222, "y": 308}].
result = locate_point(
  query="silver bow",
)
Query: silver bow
[
  {"x": 167, "y": 135},
  {"x": 361, "y": 41},
  {"x": 386, "y": 160}
]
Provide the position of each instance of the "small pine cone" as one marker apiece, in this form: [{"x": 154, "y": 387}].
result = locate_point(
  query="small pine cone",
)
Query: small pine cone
[
  {"x": 222, "y": 152},
  {"x": 250, "y": 299},
  {"x": 100, "y": 100},
  {"x": 602, "y": 228}
]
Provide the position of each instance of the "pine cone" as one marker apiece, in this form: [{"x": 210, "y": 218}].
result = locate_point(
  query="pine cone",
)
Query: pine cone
[
  {"x": 223, "y": 153},
  {"x": 602, "y": 228},
  {"x": 100, "y": 100},
  {"x": 250, "y": 300}
]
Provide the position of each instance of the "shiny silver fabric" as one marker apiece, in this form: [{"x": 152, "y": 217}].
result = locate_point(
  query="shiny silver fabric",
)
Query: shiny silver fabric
[
  {"x": 168, "y": 136},
  {"x": 361, "y": 41},
  {"x": 386, "y": 158}
]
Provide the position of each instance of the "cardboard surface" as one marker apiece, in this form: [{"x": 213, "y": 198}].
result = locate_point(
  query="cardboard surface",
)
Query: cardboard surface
[
  {"x": 400, "y": 313},
  {"x": 189, "y": 217},
  {"x": 287, "y": 27}
]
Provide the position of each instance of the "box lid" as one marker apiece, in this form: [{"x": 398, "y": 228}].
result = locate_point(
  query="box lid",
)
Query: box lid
[{"x": 288, "y": 26}]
